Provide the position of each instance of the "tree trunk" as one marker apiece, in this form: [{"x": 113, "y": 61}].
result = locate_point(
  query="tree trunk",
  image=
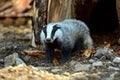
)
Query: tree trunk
[
  {"x": 118, "y": 9},
  {"x": 39, "y": 19},
  {"x": 45, "y": 11}
]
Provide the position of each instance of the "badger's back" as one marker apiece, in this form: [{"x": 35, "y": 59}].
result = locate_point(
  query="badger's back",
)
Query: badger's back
[
  {"x": 76, "y": 24},
  {"x": 73, "y": 28}
]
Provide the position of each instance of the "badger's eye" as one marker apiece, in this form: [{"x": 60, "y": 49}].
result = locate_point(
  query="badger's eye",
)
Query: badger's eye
[{"x": 55, "y": 28}]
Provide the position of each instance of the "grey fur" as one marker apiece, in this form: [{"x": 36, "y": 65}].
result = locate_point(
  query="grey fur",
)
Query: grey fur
[{"x": 71, "y": 31}]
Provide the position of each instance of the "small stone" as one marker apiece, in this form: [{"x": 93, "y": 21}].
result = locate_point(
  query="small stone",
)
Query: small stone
[
  {"x": 91, "y": 60},
  {"x": 10, "y": 60},
  {"x": 104, "y": 51},
  {"x": 1, "y": 61},
  {"x": 19, "y": 61},
  {"x": 56, "y": 70},
  {"x": 117, "y": 75},
  {"x": 112, "y": 76},
  {"x": 66, "y": 74},
  {"x": 26, "y": 58},
  {"x": 97, "y": 64},
  {"x": 43, "y": 68},
  {"x": 73, "y": 62},
  {"x": 79, "y": 76},
  {"x": 113, "y": 68},
  {"x": 82, "y": 67},
  {"x": 3, "y": 48},
  {"x": 103, "y": 58},
  {"x": 116, "y": 60}
]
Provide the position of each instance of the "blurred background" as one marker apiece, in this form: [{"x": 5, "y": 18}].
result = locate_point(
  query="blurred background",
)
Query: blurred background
[{"x": 15, "y": 25}]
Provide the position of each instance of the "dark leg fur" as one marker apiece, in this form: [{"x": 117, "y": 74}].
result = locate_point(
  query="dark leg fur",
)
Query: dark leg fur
[
  {"x": 49, "y": 51},
  {"x": 78, "y": 46},
  {"x": 65, "y": 55}
]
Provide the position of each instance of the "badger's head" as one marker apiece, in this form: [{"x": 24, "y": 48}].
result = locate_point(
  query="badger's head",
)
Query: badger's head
[{"x": 50, "y": 33}]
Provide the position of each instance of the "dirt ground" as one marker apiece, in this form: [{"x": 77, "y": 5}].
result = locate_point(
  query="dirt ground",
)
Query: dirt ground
[{"x": 17, "y": 39}]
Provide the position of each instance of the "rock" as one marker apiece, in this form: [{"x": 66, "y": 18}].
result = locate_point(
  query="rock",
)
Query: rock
[
  {"x": 112, "y": 76},
  {"x": 79, "y": 76},
  {"x": 26, "y": 58},
  {"x": 56, "y": 70},
  {"x": 103, "y": 58},
  {"x": 82, "y": 67},
  {"x": 73, "y": 62},
  {"x": 108, "y": 63},
  {"x": 19, "y": 61},
  {"x": 97, "y": 64},
  {"x": 117, "y": 76},
  {"x": 116, "y": 60},
  {"x": 1, "y": 61},
  {"x": 113, "y": 68},
  {"x": 104, "y": 51},
  {"x": 11, "y": 59},
  {"x": 43, "y": 68},
  {"x": 91, "y": 60}
]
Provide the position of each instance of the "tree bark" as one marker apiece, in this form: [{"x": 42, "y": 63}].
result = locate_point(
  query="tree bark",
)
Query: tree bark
[
  {"x": 45, "y": 11},
  {"x": 39, "y": 19},
  {"x": 118, "y": 9}
]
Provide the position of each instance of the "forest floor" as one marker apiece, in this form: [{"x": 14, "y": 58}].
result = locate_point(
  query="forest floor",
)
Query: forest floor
[{"x": 15, "y": 39}]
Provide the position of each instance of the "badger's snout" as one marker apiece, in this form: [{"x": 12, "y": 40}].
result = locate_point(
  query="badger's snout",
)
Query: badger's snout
[{"x": 48, "y": 40}]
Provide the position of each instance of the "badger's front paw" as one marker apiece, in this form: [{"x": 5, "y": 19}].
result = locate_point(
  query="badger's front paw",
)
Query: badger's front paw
[
  {"x": 48, "y": 61},
  {"x": 63, "y": 60},
  {"x": 65, "y": 56}
]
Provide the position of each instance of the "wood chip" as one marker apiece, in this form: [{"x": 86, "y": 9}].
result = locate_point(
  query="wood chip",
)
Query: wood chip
[{"x": 55, "y": 62}]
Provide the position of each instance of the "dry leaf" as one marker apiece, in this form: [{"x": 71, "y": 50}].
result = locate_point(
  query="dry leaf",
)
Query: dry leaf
[
  {"x": 118, "y": 53},
  {"x": 88, "y": 53},
  {"x": 108, "y": 45},
  {"x": 55, "y": 62},
  {"x": 41, "y": 55},
  {"x": 33, "y": 52},
  {"x": 37, "y": 53}
]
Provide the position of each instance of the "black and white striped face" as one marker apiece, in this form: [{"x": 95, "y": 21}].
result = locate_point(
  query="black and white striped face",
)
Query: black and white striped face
[{"x": 50, "y": 32}]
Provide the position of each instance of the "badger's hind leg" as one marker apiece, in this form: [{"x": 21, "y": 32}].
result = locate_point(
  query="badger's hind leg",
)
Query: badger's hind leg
[
  {"x": 66, "y": 53},
  {"x": 88, "y": 42},
  {"x": 78, "y": 47}
]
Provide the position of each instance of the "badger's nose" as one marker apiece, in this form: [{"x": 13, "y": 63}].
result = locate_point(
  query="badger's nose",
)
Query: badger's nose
[{"x": 48, "y": 40}]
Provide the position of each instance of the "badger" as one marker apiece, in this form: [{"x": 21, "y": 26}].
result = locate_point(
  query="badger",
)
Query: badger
[{"x": 67, "y": 36}]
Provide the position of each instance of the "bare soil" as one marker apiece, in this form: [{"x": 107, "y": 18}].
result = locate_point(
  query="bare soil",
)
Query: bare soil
[{"x": 17, "y": 39}]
